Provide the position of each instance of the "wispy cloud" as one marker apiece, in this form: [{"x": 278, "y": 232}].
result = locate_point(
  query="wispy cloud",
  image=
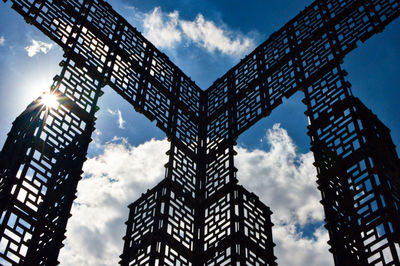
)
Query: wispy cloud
[
  {"x": 162, "y": 29},
  {"x": 166, "y": 30},
  {"x": 38, "y": 47},
  {"x": 120, "y": 121},
  {"x": 112, "y": 112},
  {"x": 2, "y": 40},
  {"x": 283, "y": 179}
]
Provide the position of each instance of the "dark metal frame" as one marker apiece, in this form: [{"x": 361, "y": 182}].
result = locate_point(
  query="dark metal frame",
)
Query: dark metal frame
[{"x": 199, "y": 214}]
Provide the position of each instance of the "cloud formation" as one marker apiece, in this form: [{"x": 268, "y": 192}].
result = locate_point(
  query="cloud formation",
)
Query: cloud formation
[
  {"x": 207, "y": 35},
  {"x": 282, "y": 169},
  {"x": 112, "y": 180},
  {"x": 38, "y": 47},
  {"x": 120, "y": 121},
  {"x": 166, "y": 30},
  {"x": 162, "y": 29},
  {"x": 2, "y": 40},
  {"x": 283, "y": 179}
]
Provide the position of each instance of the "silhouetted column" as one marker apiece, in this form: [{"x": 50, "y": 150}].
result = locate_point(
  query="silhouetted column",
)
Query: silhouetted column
[
  {"x": 161, "y": 223},
  {"x": 198, "y": 215},
  {"x": 358, "y": 174},
  {"x": 41, "y": 165}
]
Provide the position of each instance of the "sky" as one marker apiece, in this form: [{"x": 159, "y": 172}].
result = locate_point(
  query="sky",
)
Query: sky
[{"x": 205, "y": 39}]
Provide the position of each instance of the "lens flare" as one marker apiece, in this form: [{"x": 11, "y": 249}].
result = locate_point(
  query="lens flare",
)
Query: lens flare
[{"x": 49, "y": 100}]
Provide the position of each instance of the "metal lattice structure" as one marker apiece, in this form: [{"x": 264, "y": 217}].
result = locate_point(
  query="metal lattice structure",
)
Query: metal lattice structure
[{"x": 199, "y": 215}]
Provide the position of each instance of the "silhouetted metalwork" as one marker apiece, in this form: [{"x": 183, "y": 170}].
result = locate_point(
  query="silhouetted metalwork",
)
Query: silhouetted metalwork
[{"x": 199, "y": 215}]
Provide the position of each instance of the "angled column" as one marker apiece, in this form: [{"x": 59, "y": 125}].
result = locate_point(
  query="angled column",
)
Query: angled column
[
  {"x": 40, "y": 167},
  {"x": 358, "y": 174}
]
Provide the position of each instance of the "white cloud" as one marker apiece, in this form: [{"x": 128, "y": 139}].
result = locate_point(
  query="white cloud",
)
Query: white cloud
[
  {"x": 166, "y": 30},
  {"x": 112, "y": 112},
  {"x": 2, "y": 40},
  {"x": 282, "y": 169},
  {"x": 283, "y": 179},
  {"x": 121, "y": 121},
  {"x": 206, "y": 34},
  {"x": 162, "y": 29},
  {"x": 112, "y": 180},
  {"x": 293, "y": 248},
  {"x": 38, "y": 47},
  {"x": 96, "y": 139}
]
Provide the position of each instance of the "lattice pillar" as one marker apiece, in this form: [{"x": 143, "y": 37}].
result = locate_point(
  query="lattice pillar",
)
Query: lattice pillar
[
  {"x": 160, "y": 228},
  {"x": 41, "y": 164},
  {"x": 161, "y": 223},
  {"x": 358, "y": 174},
  {"x": 170, "y": 226},
  {"x": 55, "y": 210},
  {"x": 237, "y": 226},
  {"x": 198, "y": 215},
  {"x": 238, "y": 229},
  {"x": 14, "y": 214}
]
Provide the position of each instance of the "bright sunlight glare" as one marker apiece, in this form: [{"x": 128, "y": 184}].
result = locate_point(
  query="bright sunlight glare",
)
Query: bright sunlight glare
[{"x": 49, "y": 100}]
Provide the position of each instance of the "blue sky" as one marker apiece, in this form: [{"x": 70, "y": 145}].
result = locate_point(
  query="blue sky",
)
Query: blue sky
[{"x": 205, "y": 39}]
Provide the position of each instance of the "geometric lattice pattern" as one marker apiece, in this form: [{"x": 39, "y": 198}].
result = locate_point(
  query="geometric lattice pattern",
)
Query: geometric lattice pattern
[
  {"x": 199, "y": 215},
  {"x": 40, "y": 168}
]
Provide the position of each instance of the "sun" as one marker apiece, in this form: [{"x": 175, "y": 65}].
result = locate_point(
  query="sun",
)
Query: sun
[{"x": 49, "y": 100}]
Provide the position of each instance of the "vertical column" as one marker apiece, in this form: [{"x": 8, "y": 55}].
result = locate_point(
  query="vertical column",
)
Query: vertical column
[
  {"x": 237, "y": 225},
  {"x": 41, "y": 164},
  {"x": 358, "y": 174},
  {"x": 161, "y": 223}
]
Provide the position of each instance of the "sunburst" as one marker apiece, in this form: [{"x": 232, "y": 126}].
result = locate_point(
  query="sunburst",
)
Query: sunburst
[{"x": 49, "y": 100}]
